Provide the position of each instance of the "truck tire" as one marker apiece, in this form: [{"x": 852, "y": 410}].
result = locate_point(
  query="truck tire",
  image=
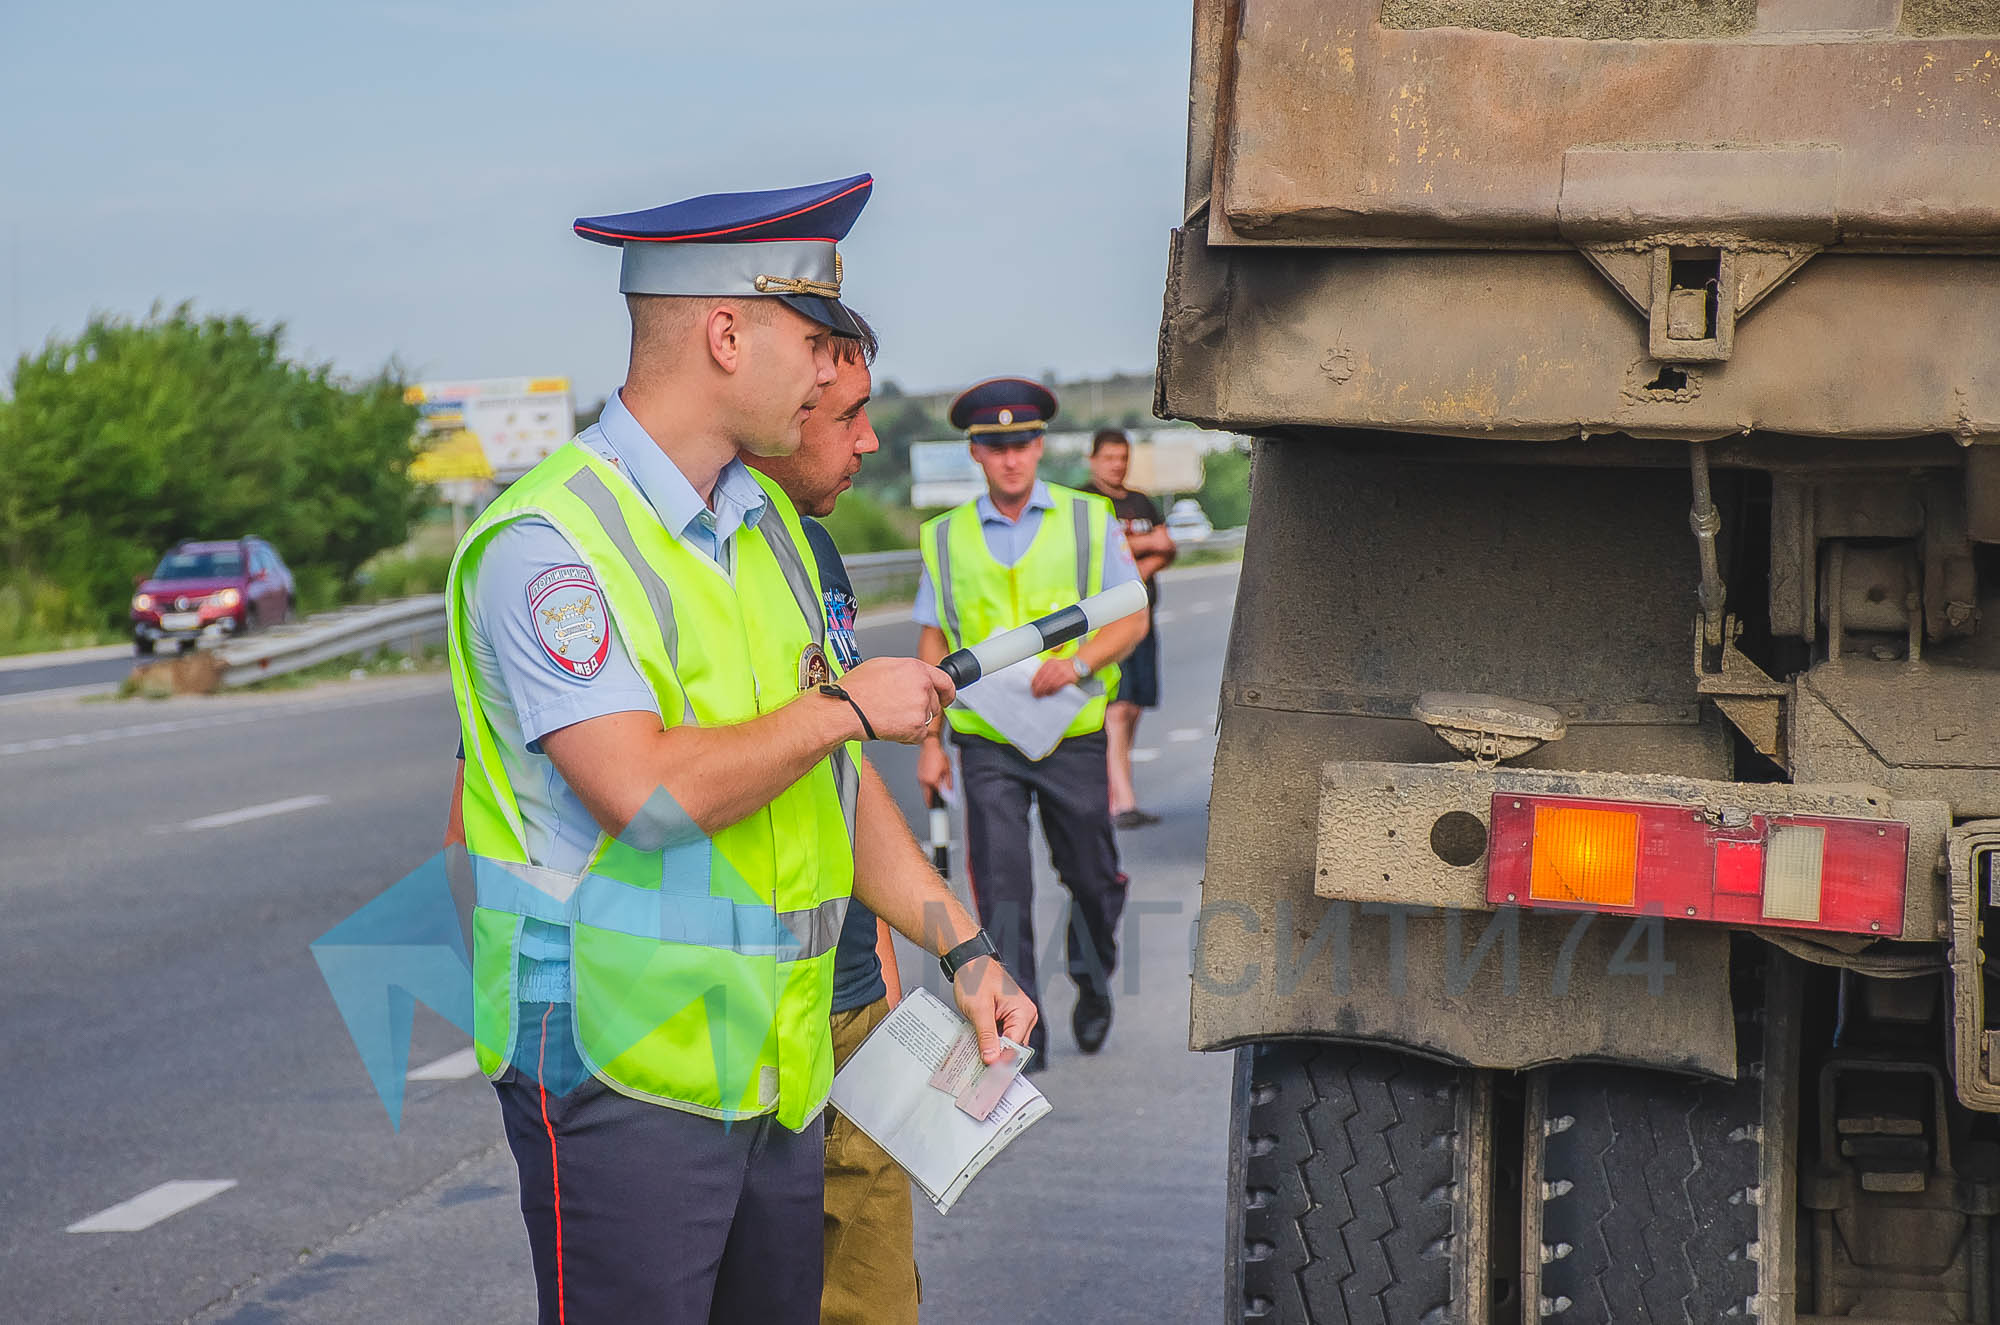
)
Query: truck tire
[
  {"x": 1357, "y": 1188},
  {"x": 1665, "y": 1198}
]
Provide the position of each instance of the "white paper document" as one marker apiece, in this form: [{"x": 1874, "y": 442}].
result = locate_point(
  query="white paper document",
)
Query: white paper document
[
  {"x": 1006, "y": 699},
  {"x": 885, "y": 1090}
]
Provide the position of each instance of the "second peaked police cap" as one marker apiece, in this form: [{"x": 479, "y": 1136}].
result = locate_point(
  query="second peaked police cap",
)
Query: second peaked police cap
[
  {"x": 774, "y": 242},
  {"x": 1003, "y": 410}
]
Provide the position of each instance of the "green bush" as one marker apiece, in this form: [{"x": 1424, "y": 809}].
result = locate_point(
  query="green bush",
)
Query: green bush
[
  {"x": 36, "y": 614},
  {"x": 405, "y": 576},
  {"x": 134, "y": 436},
  {"x": 862, "y": 523},
  {"x": 1225, "y": 488}
]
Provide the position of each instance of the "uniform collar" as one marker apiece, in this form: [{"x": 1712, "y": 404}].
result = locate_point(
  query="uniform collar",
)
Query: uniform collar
[
  {"x": 739, "y": 500},
  {"x": 1038, "y": 500}
]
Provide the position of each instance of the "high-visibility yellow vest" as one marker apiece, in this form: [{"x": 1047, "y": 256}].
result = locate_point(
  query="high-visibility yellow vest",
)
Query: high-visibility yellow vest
[
  {"x": 977, "y": 597},
  {"x": 701, "y": 967}
]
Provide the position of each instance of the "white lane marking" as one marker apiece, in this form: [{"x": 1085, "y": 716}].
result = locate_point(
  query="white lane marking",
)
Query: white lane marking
[
  {"x": 1203, "y": 606},
  {"x": 244, "y": 816},
  {"x": 1145, "y": 755},
  {"x": 1164, "y": 617},
  {"x": 1209, "y": 722},
  {"x": 464, "y": 1063},
  {"x": 150, "y": 1207},
  {"x": 250, "y": 713},
  {"x": 1188, "y": 734}
]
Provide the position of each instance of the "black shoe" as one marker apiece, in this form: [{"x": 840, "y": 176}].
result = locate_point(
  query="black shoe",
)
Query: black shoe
[{"x": 1091, "y": 1021}]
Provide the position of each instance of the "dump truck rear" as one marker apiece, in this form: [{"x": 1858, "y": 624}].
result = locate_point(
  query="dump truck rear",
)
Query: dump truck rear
[{"x": 1608, "y": 787}]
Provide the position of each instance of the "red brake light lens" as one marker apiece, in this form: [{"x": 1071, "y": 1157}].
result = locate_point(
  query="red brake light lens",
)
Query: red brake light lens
[{"x": 1785, "y": 870}]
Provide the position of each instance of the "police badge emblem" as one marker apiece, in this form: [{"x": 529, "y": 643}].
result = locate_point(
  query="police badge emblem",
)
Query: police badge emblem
[
  {"x": 572, "y": 622},
  {"x": 813, "y": 669}
]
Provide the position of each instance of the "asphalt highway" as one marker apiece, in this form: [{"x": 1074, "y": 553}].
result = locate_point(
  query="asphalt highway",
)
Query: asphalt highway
[
  {"x": 72, "y": 672},
  {"x": 191, "y": 1137}
]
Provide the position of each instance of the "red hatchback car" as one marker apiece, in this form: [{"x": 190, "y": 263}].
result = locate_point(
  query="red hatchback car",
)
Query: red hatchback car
[{"x": 211, "y": 588}]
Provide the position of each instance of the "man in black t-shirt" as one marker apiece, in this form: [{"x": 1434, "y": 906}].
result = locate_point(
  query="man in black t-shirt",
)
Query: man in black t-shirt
[
  {"x": 869, "y": 1256},
  {"x": 1139, "y": 675}
]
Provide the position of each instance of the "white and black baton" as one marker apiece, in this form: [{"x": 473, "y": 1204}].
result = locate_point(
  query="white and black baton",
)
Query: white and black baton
[{"x": 964, "y": 666}]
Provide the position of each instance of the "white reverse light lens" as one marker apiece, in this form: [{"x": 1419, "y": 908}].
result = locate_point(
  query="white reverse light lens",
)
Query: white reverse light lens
[{"x": 1792, "y": 861}]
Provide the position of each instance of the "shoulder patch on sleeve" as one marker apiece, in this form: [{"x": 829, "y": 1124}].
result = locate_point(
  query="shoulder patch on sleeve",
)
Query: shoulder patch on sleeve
[{"x": 572, "y": 620}]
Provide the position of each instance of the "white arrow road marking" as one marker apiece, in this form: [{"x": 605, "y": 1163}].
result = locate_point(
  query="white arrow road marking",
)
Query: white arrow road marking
[
  {"x": 1188, "y": 734},
  {"x": 244, "y": 816},
  {"x": 149, "y": 1208},
  {"x": 464, "y": 1063},
  {"x": 1203, "y": 606},
  {"x": 1145, "y": 755}
]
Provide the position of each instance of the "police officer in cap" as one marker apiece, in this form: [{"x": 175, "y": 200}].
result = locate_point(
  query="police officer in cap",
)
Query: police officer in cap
[
  {"x": 1022, "y": 549},
  {"x": 664, "y": 799}
]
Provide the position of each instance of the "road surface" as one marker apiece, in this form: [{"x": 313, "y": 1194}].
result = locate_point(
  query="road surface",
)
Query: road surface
[{"x": 183, "y": 1094}]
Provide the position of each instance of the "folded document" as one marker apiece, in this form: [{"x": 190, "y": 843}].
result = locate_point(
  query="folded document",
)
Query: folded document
[{"x": 886, "y": 1090}]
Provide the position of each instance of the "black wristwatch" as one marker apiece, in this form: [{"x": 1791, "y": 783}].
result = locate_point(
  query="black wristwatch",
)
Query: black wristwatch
[{"x": 979, "y": 945}]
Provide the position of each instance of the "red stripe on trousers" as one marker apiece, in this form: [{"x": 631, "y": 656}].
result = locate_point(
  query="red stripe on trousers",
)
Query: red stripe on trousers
[{"x": 555, "y": 1176}]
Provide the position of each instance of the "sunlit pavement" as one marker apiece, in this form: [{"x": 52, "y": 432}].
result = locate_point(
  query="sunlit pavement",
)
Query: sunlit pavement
[{"x": 183, "y": 1093}]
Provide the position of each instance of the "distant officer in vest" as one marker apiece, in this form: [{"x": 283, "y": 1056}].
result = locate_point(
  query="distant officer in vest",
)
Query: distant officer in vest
[
  {"x": 664, "y": 800},
  {"x": 1021, "y": 550},
  {"x": 871, "y": 1268}
]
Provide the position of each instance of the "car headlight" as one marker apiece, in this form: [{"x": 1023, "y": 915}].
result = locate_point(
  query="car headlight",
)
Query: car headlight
[
  {"x": 227, "y": 598},
  {"x": 142, "y": 602}
]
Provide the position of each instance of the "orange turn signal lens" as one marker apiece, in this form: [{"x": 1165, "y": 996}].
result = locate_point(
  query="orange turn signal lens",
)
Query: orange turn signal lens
[{"x": 1584, "y": 855}]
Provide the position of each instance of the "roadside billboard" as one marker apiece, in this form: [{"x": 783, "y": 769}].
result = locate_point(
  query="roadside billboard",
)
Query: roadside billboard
[{"x": 492, "y": 428}]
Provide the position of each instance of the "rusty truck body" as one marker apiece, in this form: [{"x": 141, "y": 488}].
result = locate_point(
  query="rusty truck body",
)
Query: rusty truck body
[{"x": 1607, "y": 793}]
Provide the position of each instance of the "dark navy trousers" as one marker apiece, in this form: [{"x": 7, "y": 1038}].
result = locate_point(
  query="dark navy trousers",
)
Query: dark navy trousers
[
  {"x": 643, "y": 1214},
  {"x": 1071, "y": 790}
]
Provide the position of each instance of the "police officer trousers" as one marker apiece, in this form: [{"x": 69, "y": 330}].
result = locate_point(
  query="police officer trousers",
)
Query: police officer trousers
[
  {"x": 1070, "y": 789},
  {"x": 639, "y": 1214}
]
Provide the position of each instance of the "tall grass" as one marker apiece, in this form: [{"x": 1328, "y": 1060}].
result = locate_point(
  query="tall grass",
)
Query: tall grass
[{"x": 37, "y": 614}]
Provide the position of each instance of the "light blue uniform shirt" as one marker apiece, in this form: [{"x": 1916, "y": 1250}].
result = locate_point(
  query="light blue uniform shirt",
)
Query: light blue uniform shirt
[
  {"x": 526, "y": 694},
  {"x": 1008, "y": 541}
]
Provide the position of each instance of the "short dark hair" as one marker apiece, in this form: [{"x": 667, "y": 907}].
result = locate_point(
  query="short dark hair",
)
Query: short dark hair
[
  {"x": 856, "y": 349},
  {"x": 1109, "y": 437}
]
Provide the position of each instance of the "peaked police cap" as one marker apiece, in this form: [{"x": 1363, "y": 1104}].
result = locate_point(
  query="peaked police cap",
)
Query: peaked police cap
[
  {"x": 775, "y": 242},
  {"x": 1002, "y": 410}
]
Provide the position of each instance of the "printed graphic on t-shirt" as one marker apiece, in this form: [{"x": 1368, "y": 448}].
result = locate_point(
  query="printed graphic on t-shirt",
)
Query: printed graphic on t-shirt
[
  {"x": 572, "y": 620},
  {"x": 841, "y": 609}
]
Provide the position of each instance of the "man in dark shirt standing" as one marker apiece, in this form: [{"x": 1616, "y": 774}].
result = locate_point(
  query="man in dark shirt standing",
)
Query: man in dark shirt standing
[
  {"x": 1139, "y": 675},
  {"x": 870, "y": 1264}
]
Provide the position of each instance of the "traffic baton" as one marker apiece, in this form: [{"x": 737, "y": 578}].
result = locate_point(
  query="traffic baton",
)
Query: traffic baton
[
  {"x": 964, "y": 666},
  {"x": 940, "y": 835}
]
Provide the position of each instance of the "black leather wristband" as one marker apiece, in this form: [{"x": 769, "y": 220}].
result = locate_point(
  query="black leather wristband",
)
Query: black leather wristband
[
  {"x": 979, "y": 945},
  {"x": 836, "y": 692}
]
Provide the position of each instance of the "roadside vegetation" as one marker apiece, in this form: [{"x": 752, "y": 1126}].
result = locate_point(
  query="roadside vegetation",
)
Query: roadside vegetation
[{"x": 133, "y": 435}]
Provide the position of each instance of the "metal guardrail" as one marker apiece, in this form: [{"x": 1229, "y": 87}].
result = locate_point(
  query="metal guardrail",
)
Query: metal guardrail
[
  {"x": 328, "y": 635},
  {"x": 875, "y": 573}
]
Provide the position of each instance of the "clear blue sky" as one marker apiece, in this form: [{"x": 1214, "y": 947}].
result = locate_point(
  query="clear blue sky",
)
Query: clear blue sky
[{"x": 398, "y": 178}]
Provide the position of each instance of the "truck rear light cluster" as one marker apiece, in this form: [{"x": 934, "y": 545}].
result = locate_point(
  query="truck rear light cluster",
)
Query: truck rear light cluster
[{"x": 1736, "y": 867}]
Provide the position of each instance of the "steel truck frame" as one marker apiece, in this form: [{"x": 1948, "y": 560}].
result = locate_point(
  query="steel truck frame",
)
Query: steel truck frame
[{"x": 1608, "y": 787}]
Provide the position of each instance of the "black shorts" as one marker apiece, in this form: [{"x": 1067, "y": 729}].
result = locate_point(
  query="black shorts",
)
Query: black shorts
[{"x": 1139, "y": 675}]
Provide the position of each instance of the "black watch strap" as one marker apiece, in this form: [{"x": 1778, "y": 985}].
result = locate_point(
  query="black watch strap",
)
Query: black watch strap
[{"x": 979, "y": 945}]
